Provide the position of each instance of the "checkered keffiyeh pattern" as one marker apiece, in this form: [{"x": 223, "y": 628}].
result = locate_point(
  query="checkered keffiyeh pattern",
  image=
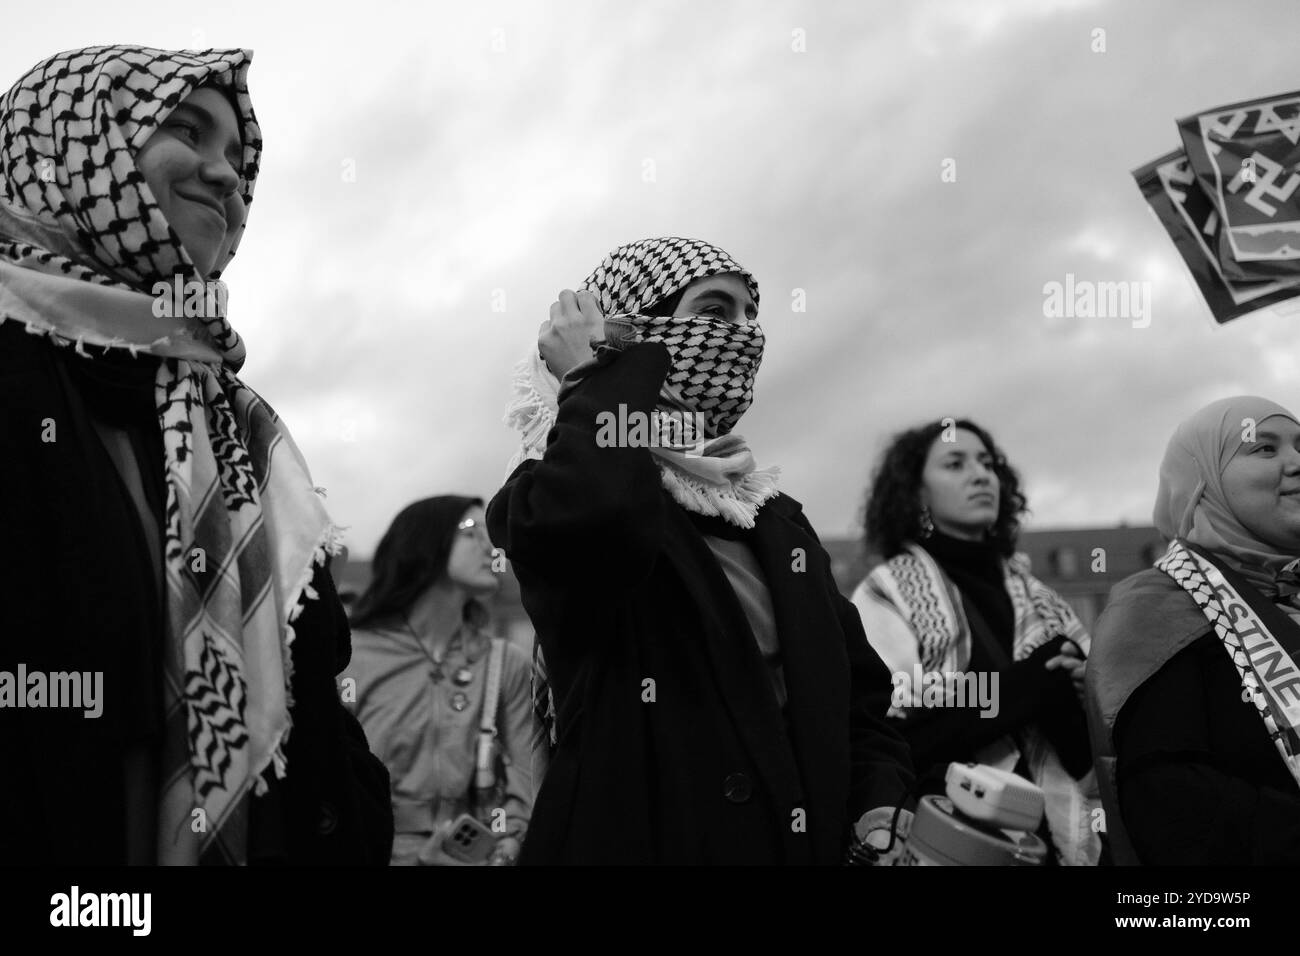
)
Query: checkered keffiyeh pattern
[
  {"x": 714, "y": 362},
  {"x": 244, "y": 528},
  {"x": 1190, "y": 572},
  {"x": 928, "y": 605},
  {"x": 69, "y": 132}
]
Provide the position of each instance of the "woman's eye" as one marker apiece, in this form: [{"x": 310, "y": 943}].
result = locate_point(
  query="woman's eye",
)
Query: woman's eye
[{"x": 191, "y": 130}]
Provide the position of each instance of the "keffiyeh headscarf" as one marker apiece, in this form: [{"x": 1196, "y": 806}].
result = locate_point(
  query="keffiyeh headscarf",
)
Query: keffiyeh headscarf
[
  {"x": 82, "y": 242},
  {"x": 1191, "y": 503},
  {"x": 714, "y": 362}
]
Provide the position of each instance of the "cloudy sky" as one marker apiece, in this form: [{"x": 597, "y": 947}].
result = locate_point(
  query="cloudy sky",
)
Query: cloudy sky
[{"x": 426, "y": 162}]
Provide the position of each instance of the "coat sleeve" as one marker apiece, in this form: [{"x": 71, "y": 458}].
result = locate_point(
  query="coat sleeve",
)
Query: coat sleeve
[
  {"x": 1026, "y": 692},
  {"x": 882, "y": 767},
  {"x": 938, "y": 736},
  {"x": 589, "y": 511},
  {"x": 336, "y": 791},
  {"x": 1182, "y": 805}
]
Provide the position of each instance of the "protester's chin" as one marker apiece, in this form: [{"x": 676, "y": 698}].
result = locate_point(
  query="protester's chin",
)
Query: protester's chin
[
  {"x": 982, "y": 518},
  {"x": 202, "y": 242},
  {"x": 487, "y": 582},
  {"x": 1286, "y": 535}
]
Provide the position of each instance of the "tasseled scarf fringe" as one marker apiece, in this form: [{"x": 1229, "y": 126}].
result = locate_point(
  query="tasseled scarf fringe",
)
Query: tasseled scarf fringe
[
  {"x": 331, "y": 543},
  {"x": 735, "y": 505}
]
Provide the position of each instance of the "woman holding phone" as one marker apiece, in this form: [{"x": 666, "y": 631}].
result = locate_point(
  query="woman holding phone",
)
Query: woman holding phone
[{"x": 425, "y": 670}]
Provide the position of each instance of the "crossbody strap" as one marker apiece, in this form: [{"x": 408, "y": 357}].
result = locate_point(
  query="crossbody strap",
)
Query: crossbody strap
[
  {"x": 492, "y": 691},
  {"x": 484, "y": 765}
]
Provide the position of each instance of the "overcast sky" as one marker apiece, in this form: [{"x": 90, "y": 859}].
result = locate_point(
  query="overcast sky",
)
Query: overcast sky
[{"x": 500, "y": 150}]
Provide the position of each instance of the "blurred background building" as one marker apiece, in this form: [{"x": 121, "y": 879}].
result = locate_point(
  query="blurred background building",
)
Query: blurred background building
[{"x": 1081, "y": 564}]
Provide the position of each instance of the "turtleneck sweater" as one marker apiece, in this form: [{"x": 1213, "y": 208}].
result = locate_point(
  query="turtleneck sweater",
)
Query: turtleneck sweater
[
  {"x": 976, "y": 568},
  {"x": 1028, "y": 692}
]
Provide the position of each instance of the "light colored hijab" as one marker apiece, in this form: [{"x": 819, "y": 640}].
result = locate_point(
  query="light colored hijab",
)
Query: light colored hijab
[{"x": 1191, "y": 503}]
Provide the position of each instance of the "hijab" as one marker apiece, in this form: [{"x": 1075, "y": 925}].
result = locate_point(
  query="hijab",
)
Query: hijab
[
  {"x": 713, "y": 366},
  {"x": 74, "y": 205},
  {"x": 82, "y": 241},
  {"x": 1191, "y": 503}
]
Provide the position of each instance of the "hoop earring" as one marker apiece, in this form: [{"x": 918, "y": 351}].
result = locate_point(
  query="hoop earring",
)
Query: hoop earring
[{"x": 927, "y": 526}]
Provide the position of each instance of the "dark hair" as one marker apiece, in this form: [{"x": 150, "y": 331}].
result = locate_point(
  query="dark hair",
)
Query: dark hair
[
  {"x": 411, "y": 556},
  {"x": 893, "y": 505}
]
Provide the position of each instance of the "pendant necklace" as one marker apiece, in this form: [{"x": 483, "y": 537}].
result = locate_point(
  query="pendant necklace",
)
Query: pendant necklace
[{"x": 437, "y": 675}]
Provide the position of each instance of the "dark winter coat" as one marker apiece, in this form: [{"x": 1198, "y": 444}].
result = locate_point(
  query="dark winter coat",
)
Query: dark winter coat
[
  {"x": 672, "y": 747},
  {"x": 80, "y": 593}
]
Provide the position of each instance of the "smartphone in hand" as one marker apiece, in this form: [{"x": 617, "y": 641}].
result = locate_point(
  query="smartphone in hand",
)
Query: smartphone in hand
[{"x": 468, "y": 840}]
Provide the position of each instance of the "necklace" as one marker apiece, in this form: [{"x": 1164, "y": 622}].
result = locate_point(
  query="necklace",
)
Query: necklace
[{"x": 437, "y": 675}]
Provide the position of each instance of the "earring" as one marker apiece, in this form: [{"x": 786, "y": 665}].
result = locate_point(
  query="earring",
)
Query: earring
[{"x": 927, "y": 526}]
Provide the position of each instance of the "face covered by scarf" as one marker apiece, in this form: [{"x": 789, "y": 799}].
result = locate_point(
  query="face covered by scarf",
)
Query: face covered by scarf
[
  {"x": 1192, "y": 504},
  {"x": 82, "y": 244},
  {"x": 714, "y": 363}
]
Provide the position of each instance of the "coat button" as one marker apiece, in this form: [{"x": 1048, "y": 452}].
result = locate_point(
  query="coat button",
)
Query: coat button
[
  {"x": 737, "y": 788},
  {"x": 329, "y": 819}
]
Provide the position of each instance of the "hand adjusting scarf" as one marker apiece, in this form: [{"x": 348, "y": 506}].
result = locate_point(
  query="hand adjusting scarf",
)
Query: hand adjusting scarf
[
  {"x": 82, "y": 244},
  {"x": 714, "y": 363}
]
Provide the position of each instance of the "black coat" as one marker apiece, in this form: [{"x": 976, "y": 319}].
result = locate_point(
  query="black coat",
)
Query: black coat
[
  {"x": 80, "y": 594},
  {"x": 1199, "y": 781},
  {"x": 699, "y": 766}
]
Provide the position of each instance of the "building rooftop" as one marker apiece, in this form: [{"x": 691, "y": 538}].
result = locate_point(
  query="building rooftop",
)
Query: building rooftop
[{"x": 1081, "y": 564}]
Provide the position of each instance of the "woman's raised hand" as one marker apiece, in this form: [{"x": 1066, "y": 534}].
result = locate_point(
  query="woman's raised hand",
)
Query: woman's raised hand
[{"x": 565, "y": 339}]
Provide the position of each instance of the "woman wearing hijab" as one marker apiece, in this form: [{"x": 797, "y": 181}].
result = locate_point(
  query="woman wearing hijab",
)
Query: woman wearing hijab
[
  {"x": 164, "y": 540},
  {"x": 428, "y": 673},
  {"x": 1194, "y": 681},
  {"x": 715, "y": 699},
  {"x": 952, "y": 597}
]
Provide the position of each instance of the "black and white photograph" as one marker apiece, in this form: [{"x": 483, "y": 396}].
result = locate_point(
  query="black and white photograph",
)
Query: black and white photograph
[{"x": 650, "y": 433}]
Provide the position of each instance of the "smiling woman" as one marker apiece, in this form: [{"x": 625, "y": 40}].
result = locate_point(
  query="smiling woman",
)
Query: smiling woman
[
  {"x": 1194, "y": 686},
  {"x": 162, "y": 528},
  {"x": 192, "y": 165}
]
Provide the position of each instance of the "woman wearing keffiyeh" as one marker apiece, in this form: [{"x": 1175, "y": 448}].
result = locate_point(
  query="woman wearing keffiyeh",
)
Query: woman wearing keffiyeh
[
  {"x": 163, "y": 528},
  {"x": 715, "y": 700}
]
